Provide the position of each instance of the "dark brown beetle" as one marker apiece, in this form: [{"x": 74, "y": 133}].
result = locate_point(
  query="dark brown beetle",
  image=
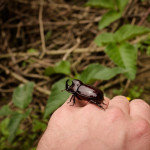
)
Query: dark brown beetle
[{"x": 84, "y": 92}]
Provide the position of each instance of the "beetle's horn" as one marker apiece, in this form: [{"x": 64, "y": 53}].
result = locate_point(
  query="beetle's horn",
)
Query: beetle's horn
[{"x": 67, "y": 86}]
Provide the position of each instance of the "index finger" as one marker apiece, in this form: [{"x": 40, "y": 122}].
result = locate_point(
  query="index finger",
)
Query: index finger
[{"x": 82, "y": 103}]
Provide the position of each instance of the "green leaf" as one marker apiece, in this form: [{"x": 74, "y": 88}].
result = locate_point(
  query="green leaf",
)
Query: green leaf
[
  {"x": 118, "y": 91},
  {"x": 57, "y": 97},
  {"x": 22, "y": 95},
  {"x": 24, "y": 64},
  {"x": 129, "y": 31},
  {"x": 48, "y": 35},
  {"x": 27, "y": 113},
  {"x": 49, "y": 71},
  {"x": 32, "y": 50},
  {"x": 98, "y": 72},
  {"x": 101, "y": 3},
  {"x": 121, "y": 4},
  {"x": 108, "y": 18},
  {"x": 14, "y": 125},
  {"x": 62, "y": 67},
  {"x": 34, "y": 148},
  {"x": 5, "y": 110},
  {"x": 104, "y": 38},
  {"x": 38, "y": 125},
  {"x": 135, "y": 92},
  {"x": 3, "y": 127},
  {"x": 148, "y": 50},
  {"x": 124, "y": 56}
]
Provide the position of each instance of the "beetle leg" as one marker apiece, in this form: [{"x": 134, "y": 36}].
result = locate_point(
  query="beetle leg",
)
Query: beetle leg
[
  {"x": 70, "y": 99},
  {"x": 100, "y": 106},
  {"x": 97, "y": 104},
  {"x": 104, "y": 103},
  {"x": 74, "y": 101},
  {"x": 91, "y": 101}
]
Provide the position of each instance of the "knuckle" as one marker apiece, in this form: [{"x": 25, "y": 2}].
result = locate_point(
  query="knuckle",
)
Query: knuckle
[
  {"x": 90, "y": 108},
  {"x": 142, "y": 127},
  {"x": 140, "y": 102},
  {"x": 120, "y": 97},
  {"x": 115, "y": 114}
]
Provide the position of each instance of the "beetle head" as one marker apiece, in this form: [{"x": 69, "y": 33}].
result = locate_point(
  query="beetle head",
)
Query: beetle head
[{"x": 74, "y": 86}]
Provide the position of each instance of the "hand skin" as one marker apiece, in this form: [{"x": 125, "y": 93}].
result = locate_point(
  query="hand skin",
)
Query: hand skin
[{"x": 123, "y": 125}]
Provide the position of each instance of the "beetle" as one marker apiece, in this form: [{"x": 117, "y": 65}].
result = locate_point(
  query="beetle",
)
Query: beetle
[{"x": 86, "y": 92}]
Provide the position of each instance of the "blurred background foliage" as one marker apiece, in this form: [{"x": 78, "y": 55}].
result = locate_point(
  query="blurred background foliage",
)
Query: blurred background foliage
[{"x": 45, "y": 42}]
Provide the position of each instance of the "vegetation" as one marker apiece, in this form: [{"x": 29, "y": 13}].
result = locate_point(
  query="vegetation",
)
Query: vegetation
[{"x": 102, "y": 43}]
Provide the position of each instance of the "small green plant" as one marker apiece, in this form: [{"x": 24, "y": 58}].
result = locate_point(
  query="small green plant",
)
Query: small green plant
[
  {"x": 48, "y": 35},
  {"x": 117, "y": 91},
  {"x": 121, "y": 52},
  {"x": 135, "y": 92},
  {"x": 61, "y": 67},
  {"x": 22, "y": 97},
  {"x": 10, "y": 126},
  {"x": 115, "y": 10},
  {"x": 144, "y": 45}
]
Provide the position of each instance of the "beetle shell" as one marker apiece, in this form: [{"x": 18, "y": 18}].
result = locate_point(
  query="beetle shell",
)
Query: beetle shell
[
  {"x": 85, "y": 92},
  {"x": 90, "y": 93}
]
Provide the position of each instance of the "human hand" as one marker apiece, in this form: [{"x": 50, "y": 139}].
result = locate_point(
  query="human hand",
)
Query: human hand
[{"x": 122, "y": 126}]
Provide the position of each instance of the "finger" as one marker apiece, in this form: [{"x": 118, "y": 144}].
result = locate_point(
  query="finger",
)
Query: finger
[
  {"x": 67, "y": 108},
  {"x": 82, "y": 103},
  {"x": 120, "y": 102},
  {"x": 139, "y": 108}
]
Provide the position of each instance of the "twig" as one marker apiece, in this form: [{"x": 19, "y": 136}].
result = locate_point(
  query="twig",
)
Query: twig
[
  {"x": 126, "y": 86},
  {"x": 53, "y": 52},
  {"x": 126, "y": 9},
  {"x": 144, "y": 17},
  {"x": 144, "y": 70},
  {"x": 7, "y": 90},
  {"x": 23, "y": 80},
  {"x": 58, "y": 23},
  {"x": 19, "y": 54},
  {"x": 79, "y": 59},
  {"x": 36, "y": 76},
  {"x": 113, "y": 82},
  {"x": 71, "y": 49},
  {"x": 60, "y": 52},
  {"x": 42, "y": 30}
]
